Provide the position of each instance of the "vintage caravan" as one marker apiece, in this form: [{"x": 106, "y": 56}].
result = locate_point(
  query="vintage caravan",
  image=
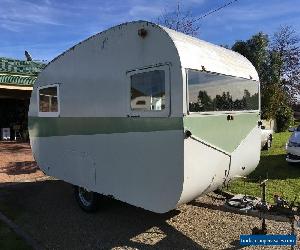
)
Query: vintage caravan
[{"x": 150, "y": 116}]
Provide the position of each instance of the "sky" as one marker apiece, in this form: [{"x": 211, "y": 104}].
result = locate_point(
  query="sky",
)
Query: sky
[{"x": 46, "y": 28}]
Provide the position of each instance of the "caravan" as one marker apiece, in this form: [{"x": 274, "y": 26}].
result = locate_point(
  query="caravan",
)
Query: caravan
[{"x": 150, "y": 116}]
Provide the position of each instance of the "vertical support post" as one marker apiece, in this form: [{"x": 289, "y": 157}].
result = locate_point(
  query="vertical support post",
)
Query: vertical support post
[
  {"x": 263, "y": 185},
  {"x": 293, "y": 229}
]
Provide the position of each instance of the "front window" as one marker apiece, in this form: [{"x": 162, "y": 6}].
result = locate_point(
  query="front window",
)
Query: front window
[
  {"x": 148, "y": 91},
  {"x": 215, "y": 92},
  {"x": 48, "y": 100}
]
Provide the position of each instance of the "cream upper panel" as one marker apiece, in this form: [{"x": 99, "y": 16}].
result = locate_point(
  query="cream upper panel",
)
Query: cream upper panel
[
  {"x": 195, "y": 53},
  {"x": 93, "y": 76}
]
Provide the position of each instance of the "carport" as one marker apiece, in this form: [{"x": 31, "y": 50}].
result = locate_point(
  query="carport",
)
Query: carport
[{"x": 16, "y": 80}]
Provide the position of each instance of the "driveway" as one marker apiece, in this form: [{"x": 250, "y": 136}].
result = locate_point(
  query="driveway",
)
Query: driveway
[
  {"x": 46, "y": 210},
  {"x": 17, "y": 163}
]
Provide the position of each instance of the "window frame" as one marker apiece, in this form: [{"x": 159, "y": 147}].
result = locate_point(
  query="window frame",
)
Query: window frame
[
  {"x": 48, "y": 114},
  {"x": 150, "y": 113},
  {"x": 219, "y": 112}
]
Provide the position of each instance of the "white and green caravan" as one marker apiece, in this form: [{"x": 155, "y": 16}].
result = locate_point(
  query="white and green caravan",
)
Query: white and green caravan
[{"x": 145, "y": 114}]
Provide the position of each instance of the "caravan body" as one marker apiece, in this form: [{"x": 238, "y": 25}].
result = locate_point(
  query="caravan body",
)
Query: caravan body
[{"x": 148, "y": 115}]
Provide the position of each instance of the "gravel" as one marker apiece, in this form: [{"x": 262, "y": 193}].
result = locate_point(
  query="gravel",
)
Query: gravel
[
  {"x": 17, "y": 163},
  {"x": 48, "y": 212}
]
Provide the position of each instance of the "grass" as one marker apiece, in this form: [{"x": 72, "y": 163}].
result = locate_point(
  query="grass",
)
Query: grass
[
  {"x": 284, "y": 179},
  {"x": 9, "y": 240}
]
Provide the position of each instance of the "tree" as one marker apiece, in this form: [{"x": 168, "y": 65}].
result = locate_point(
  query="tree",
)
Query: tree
[
  {"x": 278, "y": 106},
  {"x": 285, "y": 44},
  {"x": 278, "y": 68},
  {"x": 255, "y": 50},
  {"x": 182, "y": 21}
]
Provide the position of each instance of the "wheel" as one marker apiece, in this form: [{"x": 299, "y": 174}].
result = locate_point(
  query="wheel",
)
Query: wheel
[
  {"x": 268, "y": 144},
  {"x": 86, "y": 199}
]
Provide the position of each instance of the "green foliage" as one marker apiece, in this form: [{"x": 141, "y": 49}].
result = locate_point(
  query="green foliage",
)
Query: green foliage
[
  {"x": 284, "y": 118},
  {"x": 284, "y": 179},
  {"x": 255, "y": 50},
  {"x": 278, "y": 67},
  {"x": 272, "y": 99},
  {"x": 286, "y": 43}
]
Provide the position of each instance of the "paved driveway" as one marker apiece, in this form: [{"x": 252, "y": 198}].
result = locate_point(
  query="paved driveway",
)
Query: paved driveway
[{"x": 17, "y": 163}]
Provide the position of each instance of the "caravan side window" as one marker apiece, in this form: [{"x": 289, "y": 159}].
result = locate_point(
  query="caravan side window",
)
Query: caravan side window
[
  {"x": 148, "y": 91},
  {"x": 48, "y": 100},
  {"x": 209, "y": 92}
]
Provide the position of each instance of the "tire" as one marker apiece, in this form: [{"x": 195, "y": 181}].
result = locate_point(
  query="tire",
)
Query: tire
[
  {"x": 268, "y": 144},
  {"x": 87, "y": 200}
]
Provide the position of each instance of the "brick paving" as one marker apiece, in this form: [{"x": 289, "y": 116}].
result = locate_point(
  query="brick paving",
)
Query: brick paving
[{"x": 17, "y": 163}]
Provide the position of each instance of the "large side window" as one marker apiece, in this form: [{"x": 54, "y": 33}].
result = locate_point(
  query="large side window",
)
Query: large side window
[
  {"x": 48, "y": 100},
  {"x": 208, "y": 92},
  {"x": 148, "y": 91}
]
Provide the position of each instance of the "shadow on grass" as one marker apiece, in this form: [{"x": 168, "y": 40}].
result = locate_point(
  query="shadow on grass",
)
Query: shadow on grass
[
  {"x": 18, "y": 168},
  {"x": 274, "y": 167}
]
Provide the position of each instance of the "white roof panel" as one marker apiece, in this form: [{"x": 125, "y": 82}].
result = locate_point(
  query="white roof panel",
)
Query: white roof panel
[{"x": 196, "y": 54}]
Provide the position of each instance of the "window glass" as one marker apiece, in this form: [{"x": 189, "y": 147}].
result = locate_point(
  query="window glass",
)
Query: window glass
[
  {"x": 148, "y": 91},
  {"x": 48, "y": 99},
  {"x": 216, "y": 92}
]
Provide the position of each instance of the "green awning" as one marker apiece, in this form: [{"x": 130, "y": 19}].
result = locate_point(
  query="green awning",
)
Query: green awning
[
  {"x": 17, "y": 80},
  {"x": 19, "y": 72}
]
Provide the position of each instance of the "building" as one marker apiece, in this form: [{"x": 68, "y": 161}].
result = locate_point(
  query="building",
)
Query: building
[{"x": 16, "y": 80}]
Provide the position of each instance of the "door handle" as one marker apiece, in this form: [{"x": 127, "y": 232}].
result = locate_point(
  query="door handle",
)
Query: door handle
[
  {"x": 230, "y": 118},
  {"x": 135, "y": 116}
]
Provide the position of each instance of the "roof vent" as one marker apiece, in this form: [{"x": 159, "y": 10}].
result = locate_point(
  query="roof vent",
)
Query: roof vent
[{"x": 142, "y": 32}]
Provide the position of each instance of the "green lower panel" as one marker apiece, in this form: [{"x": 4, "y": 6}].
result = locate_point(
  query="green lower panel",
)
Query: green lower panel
[
  {"x": 63, "y": 126},
  {"x": 218, "y": 131}
]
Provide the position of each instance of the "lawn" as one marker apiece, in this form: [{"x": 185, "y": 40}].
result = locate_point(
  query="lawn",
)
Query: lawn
[{"x": 284, "y": 179}]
